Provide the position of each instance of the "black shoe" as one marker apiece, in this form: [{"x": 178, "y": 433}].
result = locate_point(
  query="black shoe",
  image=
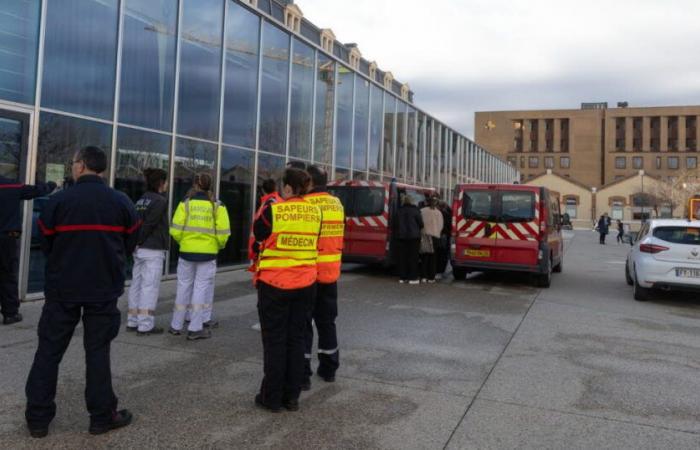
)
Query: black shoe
[
  {"x": 329, "y": 379},
  {"x": 38, "y": 432},
  {"x": 291, "y": 405},
  {"x": 154, "y": 330},
  {"x": 119, "y": 419},
  {"x": 174, "y": 332},
  {"x": 196, "y": 335},
  {"x": 131, "y": 329},
  {"x": 306, "y": 385},
  {"x": 9, "y": 320},
  {"x": 211, "y": 324},
  {"x": 259, "y": 403}
]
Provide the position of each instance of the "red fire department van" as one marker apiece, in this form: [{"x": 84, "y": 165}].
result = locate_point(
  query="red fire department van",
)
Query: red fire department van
[
  {"x": 370, "y": 208},
  {"x": 506, "y": 227}
]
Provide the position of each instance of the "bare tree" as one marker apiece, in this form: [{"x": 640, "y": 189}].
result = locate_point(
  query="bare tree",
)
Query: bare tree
[{"x": 674, "y": 192}]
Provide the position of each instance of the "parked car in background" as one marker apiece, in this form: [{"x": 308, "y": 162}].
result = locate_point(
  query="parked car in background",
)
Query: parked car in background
[{"x": 665, "y": 255}]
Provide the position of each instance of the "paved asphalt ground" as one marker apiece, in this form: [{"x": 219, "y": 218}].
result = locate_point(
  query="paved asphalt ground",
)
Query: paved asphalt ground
[{"x": 487, "y": 363}]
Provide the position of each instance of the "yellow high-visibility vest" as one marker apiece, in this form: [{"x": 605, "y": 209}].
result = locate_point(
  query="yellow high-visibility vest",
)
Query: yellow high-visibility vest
[{"x": 200, "y": 226}]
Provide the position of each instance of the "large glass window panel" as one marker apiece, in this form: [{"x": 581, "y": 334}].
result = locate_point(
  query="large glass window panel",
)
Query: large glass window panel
[
  {"x": 401, "y": 141},
  {"x": 269, "y": 166},
  {"x": 242, "y": 57},
  {"x": 343, "y": 137},
  {"x": 301, "y": 117},
  {"x": 411, "y": 145},
  {"x": 237, "y": 170},
  {"x": 437, "y": 133},
  {"x": 274, "y": 90},
  {"x": 325, "y": 92},
  {"x": 138, "y": 150},
  {"x": 148, "y": 63},
  {"x": 59, "y": 138},
  {"x": 389, "y": 128},
  {"x": 375, "y": 128},
  {"x": 420, "y": 143},
  {"x": 80, "y": 57},
  {"x": 19, "y": 35},
  {"x": 200, "y": 68},
  {"x": 359, "y": 160}
]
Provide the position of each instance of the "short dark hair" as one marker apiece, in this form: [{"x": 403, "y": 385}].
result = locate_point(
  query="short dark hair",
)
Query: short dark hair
[
  {"x": 319, "y": 177},
  {"x": 297, "y": 179},
  {"x": 154, "y": 178},
  {"x": 269, "y": 186},
  {"x": 296, "y": 165},
  {"x": 94, "y": 158}
]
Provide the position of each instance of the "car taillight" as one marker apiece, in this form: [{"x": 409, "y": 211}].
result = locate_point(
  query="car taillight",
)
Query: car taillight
[{"x": 652, "y": 248}]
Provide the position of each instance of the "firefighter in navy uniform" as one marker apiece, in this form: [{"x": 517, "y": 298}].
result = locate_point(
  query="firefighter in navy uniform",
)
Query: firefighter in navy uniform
[
  {"x": 330, "y": 252},
  {"x": 11, "y": 196},
  {"x": 88, "y": 232},
  {"x": 286, "y": 277}
]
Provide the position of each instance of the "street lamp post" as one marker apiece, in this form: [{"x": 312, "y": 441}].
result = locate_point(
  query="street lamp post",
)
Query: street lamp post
[{"x": 644, "y": 199}]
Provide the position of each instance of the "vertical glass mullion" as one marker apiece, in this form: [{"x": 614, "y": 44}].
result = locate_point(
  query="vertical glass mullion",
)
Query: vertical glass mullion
[
  {"x": 335, "y": 118},
  {"x": 352, "y": 126},
  {"x": 369, "y": 129},
  {"x": 222, "y": 96},
  {"x": 117, "y": 93},
  {"x": 289, "y": 97},
  {"x": 313, "y": 108}
]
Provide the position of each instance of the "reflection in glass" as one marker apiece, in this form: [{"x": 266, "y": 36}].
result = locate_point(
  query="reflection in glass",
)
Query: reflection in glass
[
  {"x": 342, "y": 174},
  {"x": 237, "y": 166},
  {"x": 375, "y": 129},
  {"x": 359, "y": 159},
  {"x": 274, "y": 90},
  {"x": 79, "y": 57},
  {"x": 428, "y": 150},
  {"x": 200, "y": 68},
  {"x": 359, "y": 175},
  {"x": 301, "y": 111},
  {"x": 59, "y": 138},
  {"x": 241, "y": 92},
  {"x": 138, "y": 150},
  {"x": 325, "y": 91},
  {"x": 389, "y": 128},
  {"x": 411, "y": 145},
  {"x": 269, "y": 166},
  {"x": 148, "y": 63},
  {"x": 343, "y": 133},
  {"x": 19, "y": 34},
  {"x": 11, "y": 132},
  {"x": 401, "y": 141},
  {"x": 420, "y": 142},
  {"x": 437, "y": 133}
]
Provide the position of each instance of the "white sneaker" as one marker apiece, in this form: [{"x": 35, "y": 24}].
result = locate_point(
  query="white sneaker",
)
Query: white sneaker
[
  {"x": 438, "y": 276},
  {"x": 414, "y": 282},
  {"x": 403, "y": 281},
  {"x": 423, "y": 280}
]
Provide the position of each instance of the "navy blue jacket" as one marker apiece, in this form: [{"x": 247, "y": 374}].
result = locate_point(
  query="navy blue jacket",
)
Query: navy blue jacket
[
  {"x": 11, "y": 196},
  {"x": 88, "y": 231}
]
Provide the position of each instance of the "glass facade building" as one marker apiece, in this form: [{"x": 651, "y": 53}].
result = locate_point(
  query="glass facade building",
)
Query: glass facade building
[{"x": 204, "y": 85}]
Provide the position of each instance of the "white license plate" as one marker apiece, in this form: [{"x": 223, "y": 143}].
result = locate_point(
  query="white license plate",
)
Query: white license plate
[{"x": 688, "y": 273}]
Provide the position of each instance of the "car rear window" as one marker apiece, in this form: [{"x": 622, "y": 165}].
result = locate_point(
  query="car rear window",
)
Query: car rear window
[
  {"x": 517, "y": 206},
  {"x": 360, "y": 202},
  {"x": 479, "y": 205},
  {"x": 678, "y": 235}
]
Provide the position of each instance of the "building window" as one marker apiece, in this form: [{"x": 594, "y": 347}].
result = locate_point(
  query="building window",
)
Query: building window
[
  {"x": 325, "y": 91},
  {"x": 274, "y": 89},
  {"x": 522, "y": 162},
  {"x": 637, "y": 133},
  {"x": 617, "y": 210},
  {"x": 620, "y": 162},
  {"x": 565, "y": 162},
  {"x": 513, "y": 161},
  {"x": 549, "y": 162},
  {"x": 18, "y": 50},
  {"x": 620, "y": 125},
  {"x": 359, "y": 159},
  {"x": 235, "y": 190},
  {"x": 534, "y": 135},
  {"x": 375, "y": 129},
  {"x": 571, "y": 207},
  {"x": 564, "y": 144},
  {"x": 301, "y": 108},
  {"x": 658, "y": 162},
  {"x": 534, "y": 162},
  {"x": 691, "y": 162},
  {"x": 638, "y": 162},
  {"x": 673, "y": 162}
]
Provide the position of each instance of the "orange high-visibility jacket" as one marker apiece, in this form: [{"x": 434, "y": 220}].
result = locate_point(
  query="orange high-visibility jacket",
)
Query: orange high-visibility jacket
[
  {"x": 265, "y": 202},
  {"x": 330, "y": 244},
  {"x": 288, "y": 257}
]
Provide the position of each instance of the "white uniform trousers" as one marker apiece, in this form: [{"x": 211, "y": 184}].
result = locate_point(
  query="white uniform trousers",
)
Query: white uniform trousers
[
  {"x": 145, "y": 287},
  {"x": 195, "y": 293}
]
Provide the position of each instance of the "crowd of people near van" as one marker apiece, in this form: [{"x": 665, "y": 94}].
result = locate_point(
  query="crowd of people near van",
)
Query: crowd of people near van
[
  {"x": 423, "y": 235},
  {"x": 89, "y": 231}
]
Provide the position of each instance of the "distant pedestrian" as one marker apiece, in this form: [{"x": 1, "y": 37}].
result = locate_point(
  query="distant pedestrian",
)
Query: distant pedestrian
[
  {"x": 430, "y": 239},
  {"x": 201, "y": 228},
  {"x": 410, "y": 224},
  {"x": 620, "y": 231},
  {"x": 149, "y": 257},
  {"x": 88, "y": 232},
  {"x": 603, "y": 228},
  {"x": 442, "y": 255},
  {"x": 12, "y": 193}
]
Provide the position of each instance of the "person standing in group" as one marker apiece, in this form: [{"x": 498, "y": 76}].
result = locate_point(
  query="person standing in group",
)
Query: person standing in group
[
  {"x": 201, "y": 229},
  {"x": 620, "y": 231},
  {"x": 330, "y": 253},
  {"x": 409, "y": 228},
  {"x": 270, "y": 196},
  {"x": 149, "y": 256},
  {"x": 430, "y": 239},
  {"x": 442, "y": 255},
  {"x": 603, "y": 228},
  {"x": 286, "y": 282},
  {"x": 11, "y": 196},
  {"x": 88, "y": 232}
]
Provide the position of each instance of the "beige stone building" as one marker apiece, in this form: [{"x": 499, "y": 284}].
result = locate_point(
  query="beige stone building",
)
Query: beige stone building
[{"x": 576, "y": 199}]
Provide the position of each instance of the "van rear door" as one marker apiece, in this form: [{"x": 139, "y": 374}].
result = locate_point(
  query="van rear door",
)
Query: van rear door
[
  {"x": 518, "y": 227},
  {"x": 476, "y": 239}
]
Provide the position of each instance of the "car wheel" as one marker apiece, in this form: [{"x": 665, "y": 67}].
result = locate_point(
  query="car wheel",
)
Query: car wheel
[
  {"x": 628, "y": 278},
  {"x": 544, "y": 280},
  {"x": 459, "y": 273},
  {"x": 641, "y": 294}
]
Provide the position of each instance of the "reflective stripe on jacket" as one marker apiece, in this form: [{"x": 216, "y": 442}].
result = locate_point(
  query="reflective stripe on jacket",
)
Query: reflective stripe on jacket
[
  {"x": 288, "y": 258},
  {"x": 330, "y": 245},
  {"x": 200, "y": 226}
]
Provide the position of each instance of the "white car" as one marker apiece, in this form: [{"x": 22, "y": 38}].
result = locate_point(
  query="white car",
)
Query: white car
[{"x": 665, "y": 255}]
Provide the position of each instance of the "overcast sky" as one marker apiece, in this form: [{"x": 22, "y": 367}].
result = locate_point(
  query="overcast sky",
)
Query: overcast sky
[{"x": 461, "y": 56}]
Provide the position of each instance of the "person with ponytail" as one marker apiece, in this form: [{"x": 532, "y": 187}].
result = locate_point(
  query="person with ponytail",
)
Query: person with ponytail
[
  {"x": 285, "y": 277},
  {"x": 201, "y": 229},
  {"x": 149, "y": 256}
]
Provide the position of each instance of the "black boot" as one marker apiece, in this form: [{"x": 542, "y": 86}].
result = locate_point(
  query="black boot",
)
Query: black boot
[
  {"x": 9, "y": 320},
  {"x": 119, "y": 419}
]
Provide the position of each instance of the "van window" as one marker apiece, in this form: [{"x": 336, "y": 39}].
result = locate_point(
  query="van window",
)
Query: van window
[
  {"x": 678, "y": 235},
  {"x": 368, "y": 202},
  {"x": 346, "y": 197},
  {"x": 417, "y": 198},
  {"x": 479, "y": 205},
  {"x": 518, "y": 206}
]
